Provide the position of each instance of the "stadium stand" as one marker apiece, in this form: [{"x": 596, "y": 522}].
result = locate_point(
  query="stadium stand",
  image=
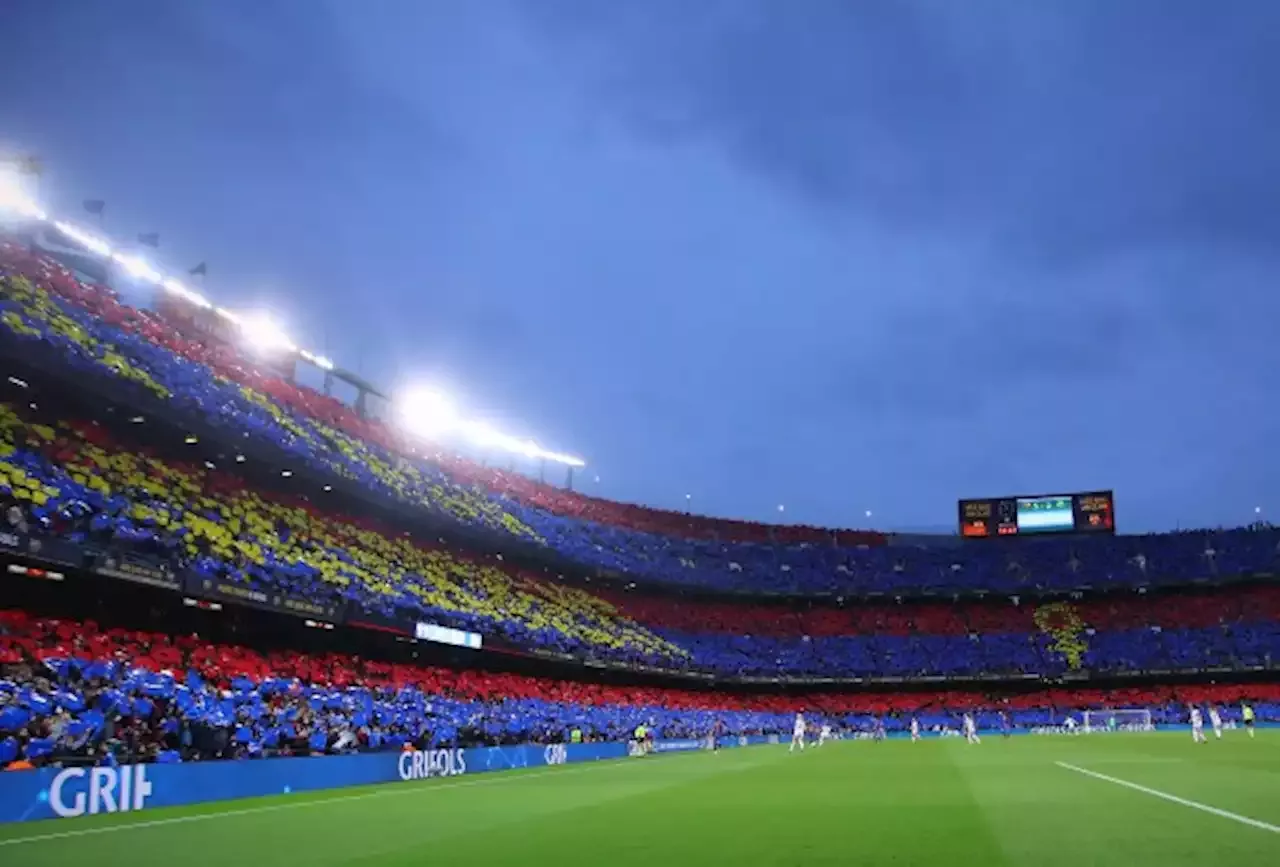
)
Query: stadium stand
[
  {"x": 74, "y": 482},
  {"x": 73, "y": 692},
  {"x": 1233, "y": 628},
  {"x": 97, "y": 335},
  {"x": 90, "y": 322}
]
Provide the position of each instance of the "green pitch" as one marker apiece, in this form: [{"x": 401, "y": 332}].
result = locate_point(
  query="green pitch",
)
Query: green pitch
[{"x": 851, "y": 803}]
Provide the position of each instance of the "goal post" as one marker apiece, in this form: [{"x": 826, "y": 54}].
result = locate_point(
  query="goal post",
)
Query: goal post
[{"x": 1118, "y": 720}]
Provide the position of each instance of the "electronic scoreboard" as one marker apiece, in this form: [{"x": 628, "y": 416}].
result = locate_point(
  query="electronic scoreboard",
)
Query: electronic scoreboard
[{"x": 1025, "y": 516}]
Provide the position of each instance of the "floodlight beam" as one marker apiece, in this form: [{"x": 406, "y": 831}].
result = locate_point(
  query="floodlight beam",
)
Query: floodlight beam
[{"x": 425, "y": 413}]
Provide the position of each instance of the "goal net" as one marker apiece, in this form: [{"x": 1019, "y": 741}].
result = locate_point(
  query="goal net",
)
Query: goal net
[{"x": 1128, "y": 720}]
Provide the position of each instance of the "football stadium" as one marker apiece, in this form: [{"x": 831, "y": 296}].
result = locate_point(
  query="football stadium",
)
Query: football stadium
[
  {"x": 259, "y": 608},
  {"x": 245, "y": 621}
]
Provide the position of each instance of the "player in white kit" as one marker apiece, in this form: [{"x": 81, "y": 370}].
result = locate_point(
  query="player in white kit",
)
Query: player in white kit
[
  {"x": 915, "y": 729},
  {"x": 971, "y": 730},
  {"x": 797, "y": 736},
  {"x": 1071, "y": 724},
  {"x": 824, "y": 734},
  {"x": 1197, "y": 727},
  {"x": 1215, "y": 720}
]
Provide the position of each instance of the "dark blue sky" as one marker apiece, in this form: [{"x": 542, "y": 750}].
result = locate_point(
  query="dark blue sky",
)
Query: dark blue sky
[{"x": 842, "y": 256}]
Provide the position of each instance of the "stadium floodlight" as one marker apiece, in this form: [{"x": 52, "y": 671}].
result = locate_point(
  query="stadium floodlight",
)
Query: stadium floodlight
[
  {"x": 426, "y": 412},
  {"x": 14, "y": 197},
  {"x": 84, "y": 239},
  {"x": 11, "y": 187},
  {"x": 318, "y": 360},
  {"x": 137, "y": 268},
  {"x": 557, "y": 457},
  {"x": 173, "y": 287},
  {"x": 429, "y": 414},
  {"x": 484, "y": 436},
  {"x": 262, "y": 333}
]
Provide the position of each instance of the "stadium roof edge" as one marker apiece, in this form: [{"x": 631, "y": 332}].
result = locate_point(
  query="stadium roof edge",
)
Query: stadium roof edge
[{"x": 19, "y": 201}]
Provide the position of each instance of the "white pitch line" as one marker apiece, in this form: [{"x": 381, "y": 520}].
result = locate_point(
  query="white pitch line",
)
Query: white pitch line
[
  {"x": 498, "y": 777},
  {"x": 1195, "y": 805}
]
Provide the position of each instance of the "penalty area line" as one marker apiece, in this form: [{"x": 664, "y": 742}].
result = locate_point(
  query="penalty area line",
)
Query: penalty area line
[{"x": 1156, "y": 793}]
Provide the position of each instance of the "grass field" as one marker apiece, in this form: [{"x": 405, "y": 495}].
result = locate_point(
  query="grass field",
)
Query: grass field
[{"x": 895, "y": 803}]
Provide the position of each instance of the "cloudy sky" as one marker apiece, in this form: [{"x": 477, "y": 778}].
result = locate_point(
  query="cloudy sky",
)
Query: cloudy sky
[{"x": 842, "y": 256}]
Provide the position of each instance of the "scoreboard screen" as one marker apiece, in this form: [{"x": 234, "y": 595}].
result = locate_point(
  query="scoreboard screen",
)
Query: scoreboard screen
[{"x": 1033, "y": 516}]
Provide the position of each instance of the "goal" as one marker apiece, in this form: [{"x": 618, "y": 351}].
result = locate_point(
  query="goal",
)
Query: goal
[{"x": 1126, "y": 720}]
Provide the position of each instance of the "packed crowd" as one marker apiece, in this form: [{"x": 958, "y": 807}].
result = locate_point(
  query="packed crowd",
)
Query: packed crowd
[
  {"x": 74, "y": 692},
  {"x": 71, "y": 691},
  {"x": 1229, "y": 628},
  {"x": 88, "y": 331},
  {"x": 94, "y": 329},
  {"x": 75, "y": 482}
]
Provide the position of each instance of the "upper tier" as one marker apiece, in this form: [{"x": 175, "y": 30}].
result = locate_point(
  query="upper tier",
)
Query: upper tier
[
  {"x": 85, "y": 330},
  {"x": 78, "y": 483},
  {"x": 105, "y": 303}
]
